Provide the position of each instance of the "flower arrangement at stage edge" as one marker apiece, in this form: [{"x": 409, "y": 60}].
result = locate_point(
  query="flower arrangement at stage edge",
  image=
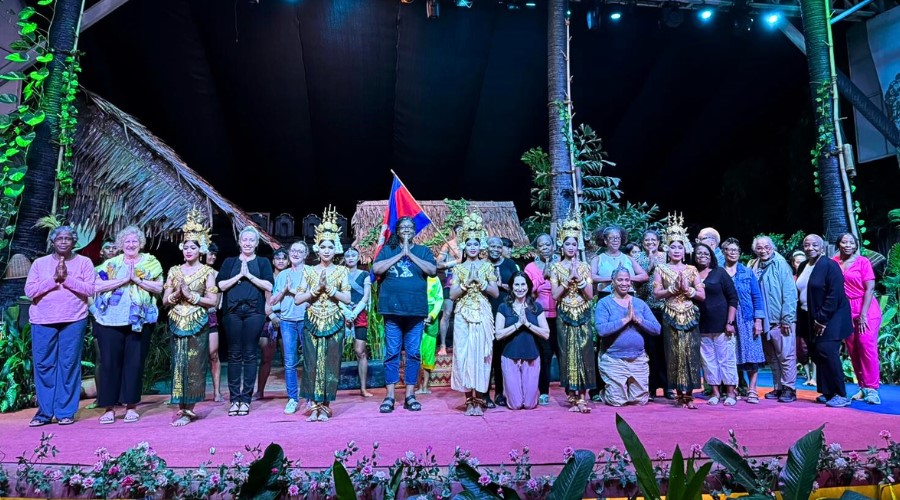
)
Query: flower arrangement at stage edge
[{"x": 140, "y": 473}]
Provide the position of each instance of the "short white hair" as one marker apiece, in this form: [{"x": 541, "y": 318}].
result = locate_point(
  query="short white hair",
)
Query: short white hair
[
  {"x": 129, "y": 230},
  {"x": 251, "y": 230}
]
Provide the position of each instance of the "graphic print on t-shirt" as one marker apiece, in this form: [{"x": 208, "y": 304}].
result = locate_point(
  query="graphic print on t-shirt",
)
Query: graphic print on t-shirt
[{"x": 402, "y": 269}]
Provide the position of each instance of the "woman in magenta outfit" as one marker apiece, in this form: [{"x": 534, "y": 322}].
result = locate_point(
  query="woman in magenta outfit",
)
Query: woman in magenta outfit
[{"x": 859, "y": 285}]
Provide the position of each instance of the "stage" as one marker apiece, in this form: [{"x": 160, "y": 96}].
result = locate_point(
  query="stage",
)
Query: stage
[{"x": 768, "y": 428}]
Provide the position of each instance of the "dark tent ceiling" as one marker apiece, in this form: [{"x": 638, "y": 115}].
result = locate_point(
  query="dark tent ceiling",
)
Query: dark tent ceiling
[{"x": 288, "y": 106}]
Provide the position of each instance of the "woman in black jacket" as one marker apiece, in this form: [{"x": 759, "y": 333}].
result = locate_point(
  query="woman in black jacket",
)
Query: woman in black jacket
[{"x": 718, "y": 344}]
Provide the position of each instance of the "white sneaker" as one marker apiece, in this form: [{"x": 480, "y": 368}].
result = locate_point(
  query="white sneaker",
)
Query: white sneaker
[{"x": 291, "y": 407}]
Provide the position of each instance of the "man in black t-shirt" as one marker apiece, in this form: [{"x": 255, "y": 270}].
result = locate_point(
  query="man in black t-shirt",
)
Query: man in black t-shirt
[{"x": 404, "y": 268}]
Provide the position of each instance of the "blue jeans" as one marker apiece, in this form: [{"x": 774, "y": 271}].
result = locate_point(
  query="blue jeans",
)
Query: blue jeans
[
  {"x": 291, "y": 332},
  {"x": 57, "y": 368},
  {"x": 405, "y": 331}
]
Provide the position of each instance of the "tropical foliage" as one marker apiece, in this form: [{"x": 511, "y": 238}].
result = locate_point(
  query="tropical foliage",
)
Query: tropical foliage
[{"x": 16, "y": 372}]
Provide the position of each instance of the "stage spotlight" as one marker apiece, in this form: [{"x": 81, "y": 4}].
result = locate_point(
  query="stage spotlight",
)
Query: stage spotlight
[
  {"x": 773, "y": 19},
  {"x": 593, "y": 18},
  {"x": 705, "y": 14},
  {"x": 615, "y": 14},
  {"x": 467, "y": 4},
  {"x": 433, "y": 9},
  {"x": 671, "y": 15}
]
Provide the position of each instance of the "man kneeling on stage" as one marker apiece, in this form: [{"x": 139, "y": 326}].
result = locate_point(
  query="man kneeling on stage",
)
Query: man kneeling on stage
[{"x": 621, "y": 321}]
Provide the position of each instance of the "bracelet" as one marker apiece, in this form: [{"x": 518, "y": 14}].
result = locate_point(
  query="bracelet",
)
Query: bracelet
[
  {"x": 195, "y": 298},
  {"x": 691, "y": 292},
  {"x": 484, "y": 286},
  {"x": 582, "y": 284},
  {"x": 331, "y": 291},
  {"x": 671, "y": 289}
]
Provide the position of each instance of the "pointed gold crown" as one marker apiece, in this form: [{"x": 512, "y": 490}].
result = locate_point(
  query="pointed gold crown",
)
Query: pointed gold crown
[
  {"x": 194, "y": 230},
  {"x": 329, "y": 230},
  {"x": 472, "y": 229},
  {"x": 570, "y": 227},
  {"x": 675, "y": 230}
]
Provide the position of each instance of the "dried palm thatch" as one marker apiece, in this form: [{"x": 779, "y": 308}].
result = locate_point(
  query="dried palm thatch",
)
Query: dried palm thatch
[
  {"x": 500, "y": 219},
  {"x": 126, "y": 175}
]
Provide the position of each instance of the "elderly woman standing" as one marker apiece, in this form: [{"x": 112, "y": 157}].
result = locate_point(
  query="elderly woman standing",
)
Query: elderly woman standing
[
  {"x": 126, "y": 312},
  {"x": 286, "y": 287},
  {"x": 679, "y": 285},
  {"x": 247, "y": 283},
  {"x": 748, "y": 318},
  {"x": 324, "y": 286},
  {"x": 190, "y": 290},
  {"x": 862, "y": 345},
  {"x": 613, "y": 258},
  {"x": 539, "y": 273},
  {"x": 59, "y": 286},
  {"x": 648, "y": 259},
  {"x": 572, "y": 290},
  {"x": 473, "y": 324},
  {"x": 717, "y": 326}
]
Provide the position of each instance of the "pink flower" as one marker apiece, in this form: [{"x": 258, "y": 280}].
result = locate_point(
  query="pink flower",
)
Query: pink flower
[
  {"x": 113, "y": 470},
  {"x": 215, "y": 479},
  {"x": 75, "y": 479},
  {"x": 367, "y": 470},
  {"x": 661, "y": 455},
  {"x": 885, "y": 434},
  {"x": 293, "y": 490},
  {"x": 696, "y": 449},
  {"x": 853, "y": 456},
  {"x": 127, "y": 481},
  {"x": 484, "y": 480},
  {"x": 860, "y": 475},
  {"x": 313, "y": 485},
  {"x": 532, "y": 484},
  {"x": 56, "y": 475},
  {"x": 568, "y": 453},
  {"x": 513, "y": 455},
  {"x": 88, "y": 482}
]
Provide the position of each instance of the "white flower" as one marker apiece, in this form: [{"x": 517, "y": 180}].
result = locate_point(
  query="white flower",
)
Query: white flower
[
  {"x": 840, "y": 463},
  {"x": 212, "y": 450},
  {"x": 834, "y": 447}
]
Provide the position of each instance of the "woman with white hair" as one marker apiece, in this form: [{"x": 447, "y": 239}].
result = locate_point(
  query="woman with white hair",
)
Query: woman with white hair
[
  {"x": 125, "y": 310},
  {"x": 59, "y": 286},
  {"x": 246, "y": 282}
]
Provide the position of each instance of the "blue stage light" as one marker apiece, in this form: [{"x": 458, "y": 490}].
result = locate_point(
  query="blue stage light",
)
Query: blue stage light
[
  {"x": 773, "y": 18},
  {"x": 615, "y": 15},
  {"x": 705, "y": 14}
]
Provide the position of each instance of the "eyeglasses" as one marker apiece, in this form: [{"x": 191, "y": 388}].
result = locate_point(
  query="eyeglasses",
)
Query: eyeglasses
[{"x": 614, "y": 238}]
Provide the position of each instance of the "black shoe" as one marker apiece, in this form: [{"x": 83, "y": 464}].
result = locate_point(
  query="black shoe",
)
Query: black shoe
[
  {"x": 500, "y": 399},
  {"x": 788, "y": 395},
  {"x": 821, "y": 399},
  {"x": 488, "y": 403},
  {"x": 411, "y": 404},
  {"x": 387, "y": 405},
  {"x": 775, "y": 394}
]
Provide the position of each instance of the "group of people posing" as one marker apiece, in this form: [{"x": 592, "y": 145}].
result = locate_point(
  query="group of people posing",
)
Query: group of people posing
[{"x": 622, "y": 326}]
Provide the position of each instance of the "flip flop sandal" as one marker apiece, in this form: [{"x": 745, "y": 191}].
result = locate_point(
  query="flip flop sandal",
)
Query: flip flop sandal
[
  {"x": 108, "y": 418},
  {"x": 66, "y": 421},
  {"x": 36, "y": 422},
  {"x": 387, "y": 406},
  {"x": 411, "y": 404},
  {"x": 131, "y": 417},
  {"x": 729, "y": 401}
]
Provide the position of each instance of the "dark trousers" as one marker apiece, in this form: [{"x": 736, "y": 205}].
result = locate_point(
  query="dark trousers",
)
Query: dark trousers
[
  {"x": 56, "y": 349},
  {"x": 655, "y": 347},
  {"x": 122, "y": 356},
  {"x": 547, "y": 349},
  {"x": 243, "y": 330},
  {"x": 829, "y": 370},
  {"x": 496, "y": 370}
]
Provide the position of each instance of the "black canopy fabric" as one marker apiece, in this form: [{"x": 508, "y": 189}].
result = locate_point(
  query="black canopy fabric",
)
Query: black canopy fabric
[{"x": 291, "y": 105}]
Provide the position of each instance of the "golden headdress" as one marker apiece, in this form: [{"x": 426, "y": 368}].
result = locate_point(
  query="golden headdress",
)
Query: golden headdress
[
  {"x": 472, "y": 228},
  {"x": 329, "y": 230},
  {"x": 675, "y": 231},
  {"x": 194, "y": 230},
  {"x": 570, "y": 227}
]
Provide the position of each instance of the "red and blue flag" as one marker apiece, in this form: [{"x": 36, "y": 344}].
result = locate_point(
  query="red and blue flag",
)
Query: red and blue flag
[{"x": 400, "y": 204}]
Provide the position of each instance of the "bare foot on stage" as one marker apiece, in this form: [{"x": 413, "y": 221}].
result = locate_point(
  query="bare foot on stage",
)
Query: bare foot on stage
[
  {"x": 366, "y": 394},
  {"x": 218, "y": 398},
  {"x": 423, "y": 390},
  {"x": 442, "y": 351}
]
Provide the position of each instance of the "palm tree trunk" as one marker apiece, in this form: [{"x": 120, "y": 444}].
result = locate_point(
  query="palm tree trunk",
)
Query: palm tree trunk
[
  {"x": 43, "y": 157},
  {"x": 817, "y": 30},
  {"x": 561, "y": 189}
]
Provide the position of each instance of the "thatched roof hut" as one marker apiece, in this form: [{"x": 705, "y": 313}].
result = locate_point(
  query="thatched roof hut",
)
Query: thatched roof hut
[
  {"x": 126, "y": 175},
  {"x": 500, "y": 219}
]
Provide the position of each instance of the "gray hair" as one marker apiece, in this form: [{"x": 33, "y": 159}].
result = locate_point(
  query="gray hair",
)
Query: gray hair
[
  {"x": 760, "y": 239},
  {"x": 497, "y": 238},
  {"x": 620, "y": 269},
  {"x": 63, "y": 229},
  {"x": 128, "y": 230}
]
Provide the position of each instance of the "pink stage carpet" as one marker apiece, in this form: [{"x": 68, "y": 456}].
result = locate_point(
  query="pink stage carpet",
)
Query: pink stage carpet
[{"x": 767, "y": 429}]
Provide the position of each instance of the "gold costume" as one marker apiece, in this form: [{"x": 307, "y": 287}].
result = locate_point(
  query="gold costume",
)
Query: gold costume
[
  {"x": 573, "y": 326},
  {"x": 324, "y": 322},
  {"x": 473, "y": 328}
]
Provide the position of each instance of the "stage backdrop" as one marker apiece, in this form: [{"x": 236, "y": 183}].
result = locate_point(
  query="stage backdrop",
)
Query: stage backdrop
[{"x": 875, "y": 67}]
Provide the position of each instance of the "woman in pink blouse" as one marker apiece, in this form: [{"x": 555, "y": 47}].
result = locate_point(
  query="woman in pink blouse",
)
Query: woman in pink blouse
[
  {"x": 539, "y": 274},
  {"x": 59, "y": 286},
  {"x": 862, "y": 345}
]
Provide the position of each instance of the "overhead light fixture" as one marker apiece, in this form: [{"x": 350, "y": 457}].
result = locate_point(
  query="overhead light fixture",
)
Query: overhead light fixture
[
  {"x": 465, "y": 3},
  {"x": 773, "y": 18},
  {"x": 433, "y": 9},
  {"x": 671, "y": 15},
  {"x": 705, "y": 14}
]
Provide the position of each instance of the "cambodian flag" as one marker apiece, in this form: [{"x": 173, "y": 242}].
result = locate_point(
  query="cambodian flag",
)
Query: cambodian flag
[{"x": 400, "y": 204}]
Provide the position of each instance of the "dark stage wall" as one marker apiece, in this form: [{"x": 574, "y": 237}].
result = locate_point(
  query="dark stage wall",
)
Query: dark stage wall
[{"x": 288, "y": 106}]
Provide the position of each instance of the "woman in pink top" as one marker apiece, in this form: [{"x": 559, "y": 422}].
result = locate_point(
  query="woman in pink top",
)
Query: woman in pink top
[
  {"x": 862, "y": 345},
  {"x": 59, "y": 286},
  {"x": 539, "y": 274}
]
